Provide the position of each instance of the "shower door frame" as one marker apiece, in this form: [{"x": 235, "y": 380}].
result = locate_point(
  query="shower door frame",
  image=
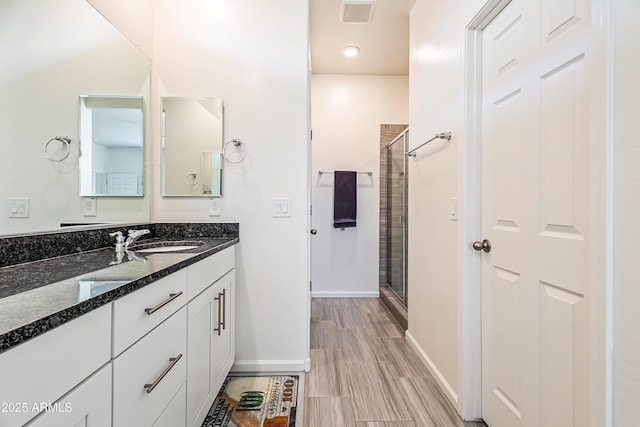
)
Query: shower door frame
[{"x": 404, "y": 300}]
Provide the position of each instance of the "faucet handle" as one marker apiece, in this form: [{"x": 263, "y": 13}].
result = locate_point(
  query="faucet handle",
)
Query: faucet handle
[
  {"x": 141, "y": 231},
  {"x": 118, "y": 235}
]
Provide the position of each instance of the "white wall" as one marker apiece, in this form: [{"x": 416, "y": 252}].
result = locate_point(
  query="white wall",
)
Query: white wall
[
  {"x": 134, "y": 18},
  {"x": 54, "y": 52},
  {"x": 253, "y": 55},
  {"x": 346, "y": 114},
  {"x": 436, "y": 105},
  {"x": 627, "y": 213}
]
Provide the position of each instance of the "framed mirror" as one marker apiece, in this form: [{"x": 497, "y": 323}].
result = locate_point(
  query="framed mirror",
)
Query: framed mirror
[
  {"x": 111, "y": 155},
  {"x": 192, "y": 136},
  {"x": 53, "y": 52}
]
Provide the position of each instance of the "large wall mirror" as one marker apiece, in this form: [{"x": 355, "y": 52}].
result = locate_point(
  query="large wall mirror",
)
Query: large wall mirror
[
  {"x": 111, "y": 146},
  {"x": 192, "y": 132},
  {"x": 52, "y": 52}
]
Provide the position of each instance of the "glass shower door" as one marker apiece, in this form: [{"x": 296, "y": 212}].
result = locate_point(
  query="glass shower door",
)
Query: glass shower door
[{"x": 397, "y": 217}]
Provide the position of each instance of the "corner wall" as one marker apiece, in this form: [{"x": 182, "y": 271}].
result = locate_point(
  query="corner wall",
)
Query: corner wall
[
  {"x": 253, "y": 55},
  {"x": 347, "y": 111},
  {"x": 437, "y": 82}
]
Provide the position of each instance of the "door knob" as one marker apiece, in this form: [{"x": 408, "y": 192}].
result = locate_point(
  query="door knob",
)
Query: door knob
[
  {"x": 314, "y": 231},
  {"x": 485, "y": 245}
]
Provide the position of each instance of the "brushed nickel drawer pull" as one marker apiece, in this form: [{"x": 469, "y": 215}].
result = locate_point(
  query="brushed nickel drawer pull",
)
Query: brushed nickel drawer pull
[
  {"x": 224, "y": 308},
  {"x": 219, "y": 299},
  {"x": 173, "y": 361},
  {"x": 163, "y": 303}
]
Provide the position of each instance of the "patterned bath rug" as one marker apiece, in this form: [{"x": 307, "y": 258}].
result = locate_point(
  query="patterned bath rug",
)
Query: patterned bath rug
[{"x": 257, "y": 401}]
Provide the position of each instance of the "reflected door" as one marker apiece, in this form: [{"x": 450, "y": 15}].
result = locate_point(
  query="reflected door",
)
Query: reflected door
[{"x": 397, "y": 218}]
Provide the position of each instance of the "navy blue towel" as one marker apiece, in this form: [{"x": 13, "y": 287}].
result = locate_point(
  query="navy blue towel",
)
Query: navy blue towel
[{"x": 344, "y": 199}]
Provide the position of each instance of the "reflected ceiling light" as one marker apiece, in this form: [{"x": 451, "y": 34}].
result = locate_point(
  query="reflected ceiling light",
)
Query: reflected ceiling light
[{"x": 351, "y": 50}]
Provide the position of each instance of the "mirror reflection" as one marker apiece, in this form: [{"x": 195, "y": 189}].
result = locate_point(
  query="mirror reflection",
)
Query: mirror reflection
[
  {"x": 51, "y": 53},
  {"x": 191, "y": 147},
  {"x": 111, "y": 149}
]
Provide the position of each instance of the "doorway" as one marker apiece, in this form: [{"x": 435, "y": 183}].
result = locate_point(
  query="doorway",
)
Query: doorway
[{"x": 393, "y": 219}]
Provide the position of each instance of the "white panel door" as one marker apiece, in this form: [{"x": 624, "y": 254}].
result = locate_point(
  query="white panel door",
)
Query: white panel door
[{"x": 535, "y": 198}]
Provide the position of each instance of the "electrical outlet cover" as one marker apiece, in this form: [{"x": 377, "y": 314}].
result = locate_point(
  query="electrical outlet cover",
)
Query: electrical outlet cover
[
  {"x": 89, "y": 206},
  {"x": 215, "y": 208}
]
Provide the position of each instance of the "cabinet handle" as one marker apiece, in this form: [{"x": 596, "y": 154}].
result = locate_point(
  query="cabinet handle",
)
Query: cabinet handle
[
  {"x": 219, "y": 299},
  {"x": 173, "y": 360},
  {"x": 224, "y": 308},
  {"x": 163, "y": 303}
]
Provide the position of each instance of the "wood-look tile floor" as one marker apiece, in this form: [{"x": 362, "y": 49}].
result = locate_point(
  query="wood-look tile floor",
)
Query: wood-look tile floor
[{"x": 365, "y": 374}]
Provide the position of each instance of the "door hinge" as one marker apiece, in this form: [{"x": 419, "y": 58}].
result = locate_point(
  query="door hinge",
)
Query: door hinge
[
  {"x": 310, "y": 285},
  {"x": 311, "y": 135}
]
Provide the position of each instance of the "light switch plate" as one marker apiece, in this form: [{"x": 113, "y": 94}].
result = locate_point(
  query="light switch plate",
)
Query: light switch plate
[
  {"x": 453, "y": 209},
  {"x": 19, "y": 207},
  {"x": 281, "y": 208},
  {"x": 89, "y": 206}
]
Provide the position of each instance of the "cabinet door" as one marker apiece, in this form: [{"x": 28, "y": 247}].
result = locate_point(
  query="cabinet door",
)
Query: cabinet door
[
  {"x": 225, "y": 340},
  {"x": 89, "y": 405},
  {"x": 201, "y": 374}
]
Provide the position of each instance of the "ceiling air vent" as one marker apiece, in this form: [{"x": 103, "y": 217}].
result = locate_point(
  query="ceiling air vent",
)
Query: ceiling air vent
[{"x": 357, "y": 11}]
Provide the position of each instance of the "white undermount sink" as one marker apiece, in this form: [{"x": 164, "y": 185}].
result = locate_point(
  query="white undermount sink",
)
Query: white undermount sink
[
  {"x": 166, "y": 249},
  {"x": 167, "y": 246}
]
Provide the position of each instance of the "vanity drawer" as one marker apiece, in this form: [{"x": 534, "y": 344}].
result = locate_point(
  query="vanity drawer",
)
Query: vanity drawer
[
  {"x": 157, "y": 359},
  {"x": 173, "y": 415},
  {"x": 139, "y": 312},
  {"x": 205, "y": 272},
  {"x": 45, "y": 368}
]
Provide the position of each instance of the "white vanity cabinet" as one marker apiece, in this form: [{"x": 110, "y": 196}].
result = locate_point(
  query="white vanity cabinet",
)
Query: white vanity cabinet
[
  {"x": 225, "y": 340},
  {"x": 88, "y": 405},
  {"x": 139, "y": 312},
  {"x": 210, "y": 323},
  {"x": 155, "y": 357},
  {"x": 44, "y": 369},
  {"x": 149, "y": 349},
  {"x": 148, "y": 375}
]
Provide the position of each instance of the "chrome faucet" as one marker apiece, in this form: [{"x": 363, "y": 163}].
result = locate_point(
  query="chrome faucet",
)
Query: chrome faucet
[
  {"x": 133, "y": 236},
  {"x": 119, "y": 240}
]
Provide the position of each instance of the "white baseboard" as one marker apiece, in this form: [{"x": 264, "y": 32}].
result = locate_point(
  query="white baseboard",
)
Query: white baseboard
[
  {"x": 345, "y": 294},
  {"x": 270, "y": 365},
  {"x": 442, "y": 382}
]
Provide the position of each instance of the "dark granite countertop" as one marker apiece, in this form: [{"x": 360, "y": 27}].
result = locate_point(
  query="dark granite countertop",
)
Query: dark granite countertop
[{"x": 40, "y": 295}]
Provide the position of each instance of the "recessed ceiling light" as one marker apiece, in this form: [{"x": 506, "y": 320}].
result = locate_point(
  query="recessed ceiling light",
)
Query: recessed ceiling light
[{"x": 351, "y": 50}]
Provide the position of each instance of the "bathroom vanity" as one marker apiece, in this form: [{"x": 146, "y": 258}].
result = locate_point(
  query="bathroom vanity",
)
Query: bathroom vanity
[{"x": 146, "y": 341}]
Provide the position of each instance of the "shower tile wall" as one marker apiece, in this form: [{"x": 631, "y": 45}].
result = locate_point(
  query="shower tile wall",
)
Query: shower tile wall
[{"x": 387, "y": 134}]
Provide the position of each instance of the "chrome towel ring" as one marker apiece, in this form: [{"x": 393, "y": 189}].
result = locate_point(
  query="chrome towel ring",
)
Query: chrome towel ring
[
  {"x": 65, "y": 140},
  {"x": 236, "y": 143},
  {"x": 192, "y": 179}
]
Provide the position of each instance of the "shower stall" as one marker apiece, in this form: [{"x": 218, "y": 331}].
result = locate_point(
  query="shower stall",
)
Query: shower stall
[{"x": 393, "y": 277}]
